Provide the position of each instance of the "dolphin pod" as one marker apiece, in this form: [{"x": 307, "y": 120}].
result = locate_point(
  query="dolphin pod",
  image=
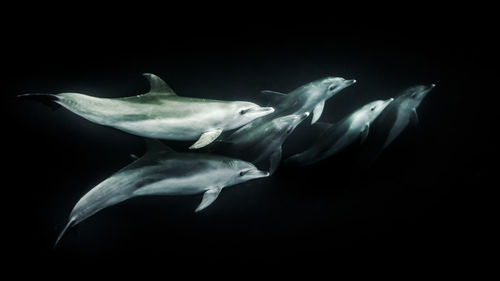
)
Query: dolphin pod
[{"x": 251, "y": 149}]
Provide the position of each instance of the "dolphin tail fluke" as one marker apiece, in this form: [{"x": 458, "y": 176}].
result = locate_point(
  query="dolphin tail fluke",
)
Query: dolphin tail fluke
[
  {"x": 47, "y": 99},
  {"x": 68, "y": 225}
]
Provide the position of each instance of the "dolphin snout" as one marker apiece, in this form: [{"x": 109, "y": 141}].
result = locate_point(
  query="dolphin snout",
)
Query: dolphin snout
[
  {"x": 304, "y": 115},
  {"x": 350, "y": 82},
  {"x": 266, "y": 110},
  {"x": 256, "y": 173}
]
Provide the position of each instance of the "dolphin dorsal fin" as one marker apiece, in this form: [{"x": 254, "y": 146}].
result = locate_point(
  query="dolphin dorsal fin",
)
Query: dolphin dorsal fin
[
  {"x": 158, "y": 86},
  {"x": 154, "y": 146}
]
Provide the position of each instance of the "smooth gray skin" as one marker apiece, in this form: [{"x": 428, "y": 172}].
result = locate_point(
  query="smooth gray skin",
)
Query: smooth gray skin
[
  {"x": 308, "y": 98},
  {"x": 392, "y": 121},
  {"x": 339, "y": 136},
  {"x": 161, "y": 114},
  {"x": 162, "y": 171},
  {"x": 262, "y": 143}
]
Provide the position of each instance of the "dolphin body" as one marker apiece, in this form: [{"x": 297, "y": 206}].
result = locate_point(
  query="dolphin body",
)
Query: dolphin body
[
  {"x": 162, "y": 171},
  {"x": 262, "y": 144},
  {"x": 160, "y": 113},
  {"x": 337, "y": 137},
  {"x": 393, "y": 120},
  {"x": 308, "y": 98}
]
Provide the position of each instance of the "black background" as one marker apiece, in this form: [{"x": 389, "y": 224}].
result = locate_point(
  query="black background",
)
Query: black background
[{"x": 415, "y": 207}]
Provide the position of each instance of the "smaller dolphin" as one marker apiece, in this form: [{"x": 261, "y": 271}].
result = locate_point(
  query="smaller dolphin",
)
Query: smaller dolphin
[
  {"x": 340, "y": 135},
  {"x": 308, "y": 98},
  {"x": 162, "y": 171},
  {"x": 160, "y": 113},
  {"x": 393, "y": 120},
  {"x": 263, "y": 143}
]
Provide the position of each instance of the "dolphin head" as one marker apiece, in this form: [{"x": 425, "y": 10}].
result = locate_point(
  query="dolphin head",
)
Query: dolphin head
[
  {"x": 243, "y": 171},
  {"x": 286, "y": 124},
  {"x": 414, "y": 95},
  {"x": 373, "y": 109},
  {"x": 325, "y": 88},
  {"x": 245, "y": 112},
  {"x": 336, "y": 84}
]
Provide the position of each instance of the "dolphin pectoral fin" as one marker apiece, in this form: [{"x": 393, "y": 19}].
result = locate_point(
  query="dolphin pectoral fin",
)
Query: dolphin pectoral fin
[
  {"x": 208, "y": 198},
  {"x": 318, "y": 110},
  {"x": 158, "y": 86},
  {"x": 275, "y": 160},
  {"x": 273, "y": 97},
  {"x": 364, "y": 132},
  {"x": 206, "y": 138},
  {"x": 414, "y": 117}
]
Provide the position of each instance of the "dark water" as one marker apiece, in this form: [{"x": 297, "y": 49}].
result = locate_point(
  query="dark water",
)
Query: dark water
[{"x": 415, "y": 204}]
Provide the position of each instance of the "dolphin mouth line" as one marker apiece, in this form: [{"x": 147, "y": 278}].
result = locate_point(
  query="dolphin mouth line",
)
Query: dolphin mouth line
[
  {"x": 257, "y": 173},
  {"x": 268, "y": 110}
]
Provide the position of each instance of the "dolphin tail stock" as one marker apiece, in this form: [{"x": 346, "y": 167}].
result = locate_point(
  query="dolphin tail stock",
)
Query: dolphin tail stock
[
  {"x": 68, "y": 225},
  {"x": 47, "y": 99}
]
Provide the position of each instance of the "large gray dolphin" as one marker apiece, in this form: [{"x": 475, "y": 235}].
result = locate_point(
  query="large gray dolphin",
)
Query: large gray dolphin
[
  {"x": 162, "y": 171},
  {"x": 393, "y": 120},
  {"x": 262, "y": 144},
  {"x": 309, "y": 98},
  {"x": 161, "y": 114},
  {"x": 340, "y": 135}
]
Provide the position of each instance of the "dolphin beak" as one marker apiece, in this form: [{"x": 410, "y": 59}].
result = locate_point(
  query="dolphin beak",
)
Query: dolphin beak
[
  {"x": 349, "y": 82},
  {"x": 262, "y": 110},
  {"x": 427, "y": 90},
  {"x": 303, "y": 116},
  {"x": 255, "y": 173},
  {"x": 387, "y": 102}
]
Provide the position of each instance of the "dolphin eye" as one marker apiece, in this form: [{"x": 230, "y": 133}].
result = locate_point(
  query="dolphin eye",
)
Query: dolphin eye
[
  {"x": 331, "y": 88},
  {"x": 242, "y": 173},
  {"x": 243, "y": 111},
  {"x": 372, "y": 109}
]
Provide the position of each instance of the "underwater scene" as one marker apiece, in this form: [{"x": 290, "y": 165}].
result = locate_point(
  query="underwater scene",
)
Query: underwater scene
[{"x": 274, "y": 146}]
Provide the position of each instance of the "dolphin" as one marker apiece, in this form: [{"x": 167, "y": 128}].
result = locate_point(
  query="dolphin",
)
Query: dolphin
[
  {"x": 337, "y": 137},
  {"x": 160, "y": 113},
  {"x": 262, "y": 143},
  {"x": 393, "y": 120},
  {"x": 162, "y": 171},
  {"x": 309, "y": 98}
]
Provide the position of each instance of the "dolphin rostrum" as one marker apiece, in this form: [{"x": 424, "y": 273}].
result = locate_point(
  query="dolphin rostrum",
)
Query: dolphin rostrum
[
  {"x": 262, "y": 143},
  {"x": 309, "y": 98},
  {"x": 393, "y": 120},
  {"x": 162, "y": 171},
  {"x": 340, "y": 135},
  {"x": 160, "y": 113}
]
